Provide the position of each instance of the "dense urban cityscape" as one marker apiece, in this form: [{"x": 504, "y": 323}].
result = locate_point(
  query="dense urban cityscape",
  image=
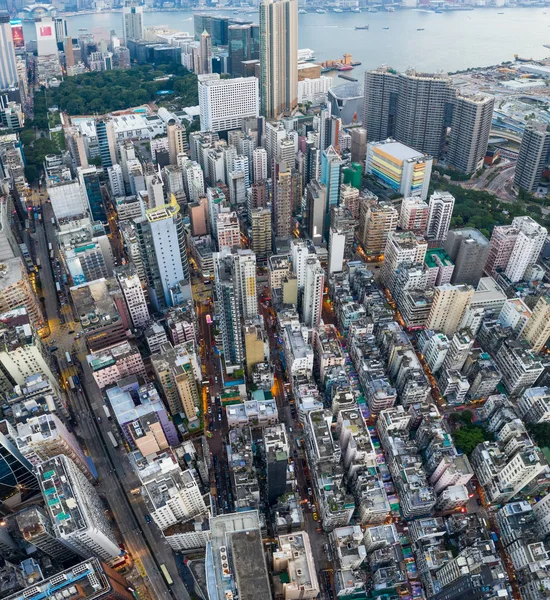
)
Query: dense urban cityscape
[{"x": 267, "y": 334}]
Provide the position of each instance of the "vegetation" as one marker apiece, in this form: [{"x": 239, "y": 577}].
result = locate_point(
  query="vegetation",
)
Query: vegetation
[
  {"x": 540, "y": 432},
  {"x": 467, "y": 437},
  {"x": 107, "y": 91},
  {"x": 464, "y": 417}
]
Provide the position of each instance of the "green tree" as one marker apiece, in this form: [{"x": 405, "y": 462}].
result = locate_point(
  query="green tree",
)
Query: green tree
[
  {"x": 540, "y": 432},
  {"x": 468, "y": 437}
]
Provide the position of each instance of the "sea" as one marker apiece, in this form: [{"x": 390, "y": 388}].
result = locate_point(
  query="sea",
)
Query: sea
[{"x": 413, "y": 38}]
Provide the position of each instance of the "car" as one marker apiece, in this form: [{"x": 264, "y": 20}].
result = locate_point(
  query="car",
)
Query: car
[
  {"x": 211, "y": 426},
  {"x": 71, "y": 331},
  {"x": 315, "y": 516},
  {"x": 209, "y": 410},
  {"x": 99, "y": 420},
  {"x": 309, "y": 492},
  {"x": 147, "y": 519},
  {"x": 53, "y": 348},
  {"x": 478, "y": 501}
]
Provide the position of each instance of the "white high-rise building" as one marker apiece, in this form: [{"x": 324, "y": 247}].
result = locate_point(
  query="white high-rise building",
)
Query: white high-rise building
[
  {"x": 527, "y": 248},
  {"x": 8, "y": 69},
  {"x": 299, "y": 252},
  {"x": 46, "y": 41},
  {"x": 245, "y": 272},
  {"x": 241, "y": 164},
  {"x": 134, "y": 296},
  {"x": 313, "y": 292},
  {"x": 193, "y": 180},
  {"x": 336, "y": 246},
  {"x": 76, "y": 510},
  {"x": 133, "y": 22},
  {"x": 441, "y": 207},
  {"x": 260, "y": 164},
  {"x": 116, "y": 181},
  {"x": 225, "y": 103}
]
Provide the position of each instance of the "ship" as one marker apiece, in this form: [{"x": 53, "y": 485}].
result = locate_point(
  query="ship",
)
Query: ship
[
  {"x": 337, "y": 10},
  {"x": 355, "y": 63},
  {"x": 341, "y": 67},
  {"x": 355, "y": 9},
  {"x": 420, "y": 29},
  {"x": 321, "y": 11},
  {"x": 301, "y": 11},
  {"x": 438, "y": 11},
  {"x": 390, "y": 8},
  {"x": 500, "y": 13},
  {"x": 362, "y": 27},
  {"x": 372, "y": 9},
  {"x": 347, "y": 77}
]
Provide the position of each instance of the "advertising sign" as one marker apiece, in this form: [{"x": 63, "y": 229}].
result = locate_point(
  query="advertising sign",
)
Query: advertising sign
[{"x": 17, "y": 33}]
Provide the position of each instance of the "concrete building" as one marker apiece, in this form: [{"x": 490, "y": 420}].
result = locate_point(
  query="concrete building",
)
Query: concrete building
[
  {"x": 519, "y": 366},
  {"x": 377, "y": 220},
  {"x": 294, "y": 556},
  {"x": 260, "y": 238},
  {"x": 502, "y": 244},
  {"x": 440, "y": 211},
  {"x": 8, "y": 69},
  {"x": 278, "y": 57},
  {"x": 514, "y": 314},
  {"x": 114, "y": 363},
  {"x": 133, "y": 28},
  {"x": 403, "y": 249},
  {"x": 76, "y": 510},
  {"x": 534, "y": 405},
  {"x": 533, "y": 156},
  {"x": 527, "y": 247},
  {"x": 245, "y": 272},
  {"x": 316, "y": 202},
  {"x": 313, "y": 292},
  {"x": 413, "y": 215},
  {"x": 132, "y": 291},
  {"x": 468, "y": 248},
  {"x": 448, "y": 307},
  {"x": 283, "y": 196},
  {"x": 331, "y": 169}
]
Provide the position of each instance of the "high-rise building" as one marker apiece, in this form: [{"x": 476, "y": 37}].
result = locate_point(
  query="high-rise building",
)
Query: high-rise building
[
  {"x": 314, "y": 288},
  {"x": 278, "y": 57},
  {"x": 533, "y": 156},
  {"x": 441, "y": 207},
  {"x": 177, "y": 141},
  {"x": 300, "y": 251},
  {"x": 448, "y": 307},
  {"x": 225, "y": 103},
  {"x": 134, "y": 296},
  {"x": 401, "y": 167},
  {"x": 331, "y": 168},
  {"x": 377, "y": 220},
  {"x": 529, "y": 242},
  {"x": 133, "y": 28},
  {"x": 76, "y": 510},
  {"x": 8, "y": 70},
  {"x": 242, "y": 46},
  {"x": 336, "y": 249},
  {"x": 537, "y": 328},
  {"x": 468, "y": 248},
  {"x": 193, "y": 180},
  {"x": 260, "y": 164},
  {"x": 358, "y": 144},
  {"x": 470, "y": 128},
  {"x": 161, "y": 238},
  {"x": 260, "y": 233},
  {"x": 107, "y": 142},
  {"x": 502, "y": 244},
  {"x": 413, "y": 215},
  {"x": 116, "y": 181},
  {"x": 227, "y": 292},
  {"x": 282, "y": 199},
  {"x": 316, "y": 202},
  {"x": 417, "y": 108},
  {"x": 18, "y": 482},
  {"x": 67, "y": 198},
  {"x": 61, "y": 32},
  {"x": 46, "y": 41},
  {"x": 205, "y": 66},
  {"x": 227, "y": 230},
  {"x": 349, "y": 198},
  {"x": 245, "y": 272},
  {"x": 403, "y": 249},
  {"x": 91, "y": 190}
]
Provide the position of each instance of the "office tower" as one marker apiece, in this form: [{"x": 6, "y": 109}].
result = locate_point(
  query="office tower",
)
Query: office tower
[
  {"x": 76, "y": 510},
  {"x": 87, "y": 580},
  {"x": 468, "y": 248},
  {"x": 470, "y": 128},
  {"x": 529, "y": 242},
  {"x": 533, "y": 156},
  {"x": 413, "y": 215},
  {"x": 61, "y": 32},
  {"x": 403, "y": 249},
  {"x": 217, "y": 27},
  {"x": 331, "y": 168},
  {"x": 537, "y": 328},
  {"x": 441, "y": 207},
  {"x": 278, "y": 57},
  {"x": 260, "y": 233},
  {"x": 502, "y": 244},
  {"x": 448, "y": 307},
  {"x": 18, "y": 482},
  {"x": 130, "y": 284},
  {"x": 228, "y": 232},
  {"x": 240, "y": 163},
  {"x": 205, "y": 54},
  {"x": 161, "y": 238},
  {"x": 260, "y": 164},
  {"x": 176, "y": 374},
  {"x": 245, "y": 273},
  {"x": 132, "y": 27},
  {"x": 241, "y": 47},
  {"x": 177, "y": 141},
  {"x": 45, "y": 37},
  {"x": 35, "y": 527},
  {"x": 336, "y": 250},
  {"x": 314, "y": 288},
  {"x": 376, "y": 221},
  {"x": 358, "y": 144},
  {"x": 225, "y": 103},
  {"x": 91, "y": 190},
  {"x": 282, "y": 198},
  {"x": 401, "y": 167},
  {"x": 116, "y": 181},
  {"x": 316, "y": 203},
  {"x": 237, "y": 188},
  {"x": 227, "y": 292},
  {"x": 107, "y": 142},
  {"x": 342, "y": 220},
  {"x": 8, "y": 70}
]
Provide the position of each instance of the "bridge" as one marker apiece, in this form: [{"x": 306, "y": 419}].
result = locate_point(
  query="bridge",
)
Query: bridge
[{"x": 505, "y": 134}]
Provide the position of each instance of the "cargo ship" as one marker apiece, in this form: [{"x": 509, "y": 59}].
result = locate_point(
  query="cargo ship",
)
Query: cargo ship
[
  {"x": 344, "y": 68},
  {"x": 361, "y": 27}
]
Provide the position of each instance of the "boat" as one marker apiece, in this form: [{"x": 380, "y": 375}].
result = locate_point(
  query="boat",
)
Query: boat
[
  {"x": 337, "y": 10},
  {"x": 327, "y": 69},
  {"x": 438, "y": 11},
  {"x": 321, "y": 11},
  {"x": 301, "y": 11},
  {"x": 362, "y": 27},
  {"x": 390, "y": 8},
  {"x": 372, "y": 9},
  {"x": 344, "y": 68},
  {"x": 347, "y": 77},
  {"x": 355, "y": 63},
  {"x": 500, "y": 13},
  {"x": 385, "y": 28},
  {"x": 355, "y": 9},
  {"x": 83, "y": 29},
  {"x": 420, "y": 29}
]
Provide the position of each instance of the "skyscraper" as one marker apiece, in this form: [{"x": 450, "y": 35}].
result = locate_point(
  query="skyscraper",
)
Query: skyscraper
[
  {"x": 260, "y": 164},
  {"x": 242, "y": 47},
  {"x": 245, "y": 271},
  {"x": 282, "y": 200},
  {"x": 177, "y": 141},
  {"x": 331, "y": 168},
  {"x": 448, "y": 307},
  {"x": 278, "y": 57},
  {"x": 439, "y": 216},
  {"x": 527, "y": 248},
  {"x": 537, "y": 329},
  {"x": 205, "y": 53},
  {"x": 533, "y": 156},
  {"x": 260, "y": 227},
  {"x": 91, "y": 190},
  {"x": 133, "y": 22},
  {"x": 313, "y": 292},
  {"x": 106, "y": 142},
  {"x": 316, "y": 200},
  {"x": 468, "y": 248},
  {"x": 8, "y": 70}
]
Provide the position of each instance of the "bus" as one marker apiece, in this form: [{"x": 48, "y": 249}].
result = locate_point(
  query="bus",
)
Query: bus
[
  {"x": 166, "y": 574},
  {"x": 68, "y": 358},
  {"x": 50, "y": 247},
  {"x": 112, "y": 438},
  {"x": 58, "y": 287},
  {"x": 107, "y": 412},
  {"x": 71, "y": 383}
]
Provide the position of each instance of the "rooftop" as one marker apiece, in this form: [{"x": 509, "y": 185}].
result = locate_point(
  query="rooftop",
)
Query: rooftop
[
  {"x": 437, "y": 254},
  {"x": 397, "y": 150}
]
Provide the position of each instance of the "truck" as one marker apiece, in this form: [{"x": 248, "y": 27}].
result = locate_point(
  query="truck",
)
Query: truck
[
  {"x": 68, "y": 358},
  {"x": 53, "y": 221},
  {"x": 71, "y": 383},
  {"x": 58, "y": 287},
  {"x": 112, "y": 439},
  {"x": 50, "y": 247},
  {"x": 107, "y": 412}
]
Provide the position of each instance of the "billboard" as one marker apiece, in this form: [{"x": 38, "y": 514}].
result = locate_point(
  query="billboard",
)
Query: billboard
[
  {"x": 17, "y": 33},
  {"x": 45, "y": 32}
]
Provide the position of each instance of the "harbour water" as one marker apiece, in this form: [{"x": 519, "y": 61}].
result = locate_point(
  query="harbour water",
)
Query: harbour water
[{"x": 419, "y": 39}]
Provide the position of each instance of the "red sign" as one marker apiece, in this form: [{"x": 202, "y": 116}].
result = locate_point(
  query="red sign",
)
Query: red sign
[
  {"x": 45, "y": 31},
  {"x": 17, "y": 34}
]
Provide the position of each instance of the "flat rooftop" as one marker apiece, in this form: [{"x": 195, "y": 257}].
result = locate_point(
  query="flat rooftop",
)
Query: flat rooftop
[{"x": 398, "y": 150}]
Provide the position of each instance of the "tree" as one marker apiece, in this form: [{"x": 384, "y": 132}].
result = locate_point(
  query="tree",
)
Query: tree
[
  {"x": 31, "y": 173},
  {"x": 468, "y": 437},
  {"x": 540, "y": 432}
]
